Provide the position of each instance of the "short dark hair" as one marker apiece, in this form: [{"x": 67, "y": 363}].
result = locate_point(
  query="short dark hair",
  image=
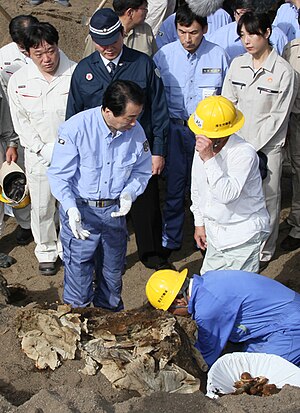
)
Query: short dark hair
[
  {"x": 120, "y": 6},
  {"x": 255, "y": 23},
  {"x": 119, "y": 93},
  {"x": 244, "y": 4},
  {"x": 186, "y": 17},
  {"x": 19, "y": 25},
  {"x": 38, "y": 33}
]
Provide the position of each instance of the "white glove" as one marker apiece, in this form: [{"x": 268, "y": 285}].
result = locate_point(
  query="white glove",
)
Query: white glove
[
  {"x": 125, "y": 205},
  {"x": 45, "y": 154},
  {"x": 75, "y": 224}
]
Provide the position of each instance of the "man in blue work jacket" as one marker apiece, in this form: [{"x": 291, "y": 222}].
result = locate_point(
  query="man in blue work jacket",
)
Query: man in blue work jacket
[
  {"x": 236, "y": 306},
  {"x": 112, "y": 60},
  {"x": 101, "y": 163},
  {"x": 191, "y": 69}
]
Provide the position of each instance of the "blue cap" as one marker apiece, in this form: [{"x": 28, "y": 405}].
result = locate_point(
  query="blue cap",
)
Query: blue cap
[{"x": 105, "y": 27}]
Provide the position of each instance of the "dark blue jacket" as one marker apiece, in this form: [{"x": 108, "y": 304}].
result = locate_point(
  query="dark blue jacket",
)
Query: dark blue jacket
[{"x": 91, "y": 78}]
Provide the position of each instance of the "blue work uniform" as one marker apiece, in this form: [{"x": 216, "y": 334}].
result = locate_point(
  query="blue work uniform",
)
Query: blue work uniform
[
  {"x": 89, "y": 82},
  {"x": 244, "y": 307},
  {"x": 287, "y": 20},
  {"x": 188, "y": 78},
  {"x": 90, "y": 164},
  {"x": 167, "y": 32},
  {"x": 230, "y": 41}
]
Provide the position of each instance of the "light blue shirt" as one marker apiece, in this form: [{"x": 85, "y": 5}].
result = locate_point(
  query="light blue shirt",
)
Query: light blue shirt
[
  {"x": 189, "y": 78},
  {"x": 167, "y": 32},
  {"x": 228, "y": 38},
  {"x": 287, "y": 20},
  {"x": 89, "y": 162},
  {"x": 240, "y": 306}
]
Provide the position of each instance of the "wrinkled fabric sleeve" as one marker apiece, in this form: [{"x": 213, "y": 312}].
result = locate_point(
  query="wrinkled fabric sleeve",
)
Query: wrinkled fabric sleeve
[
  {"x": 29, "y": 138},
  {"x": 227, "y": 186},
  {"x": 75, "y": 102},
  {"x": 61, "y": 171},
  {"x": 159, "y": 111},
  {"x": 195, "y": 194}
]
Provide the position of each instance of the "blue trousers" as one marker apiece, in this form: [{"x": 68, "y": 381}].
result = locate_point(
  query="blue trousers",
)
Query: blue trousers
[
  {"x": 103, "y": 253},
  {"x": 181, "y": 147}
]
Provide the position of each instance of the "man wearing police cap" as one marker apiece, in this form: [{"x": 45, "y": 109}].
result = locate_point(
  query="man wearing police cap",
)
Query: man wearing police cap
[{"x": 113, "y": 60}]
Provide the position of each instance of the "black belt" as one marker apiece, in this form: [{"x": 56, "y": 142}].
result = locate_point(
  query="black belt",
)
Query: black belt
[
  {"x": 100, "y": 203},
  {"x": 180, "y": 121}
]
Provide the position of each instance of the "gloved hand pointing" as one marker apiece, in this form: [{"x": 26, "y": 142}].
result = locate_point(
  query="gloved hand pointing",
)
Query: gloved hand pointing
[
  {"x": 125, "y": 205},
  {"x": 45, "y": 154},
  {"x": 75, "y": 224}
]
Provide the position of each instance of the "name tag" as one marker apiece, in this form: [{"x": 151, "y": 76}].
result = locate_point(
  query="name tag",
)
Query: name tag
[{"x": 211, "y": 70}]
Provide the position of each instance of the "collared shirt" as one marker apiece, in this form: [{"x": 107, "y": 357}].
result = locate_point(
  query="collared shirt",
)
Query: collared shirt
[
  {"x": 229, "y": 40},
  {"x": 239, "y": 306},
  {"x": 167, "y": 32},
  {"x": 287, "y": 20},
  {"x": 264, "y": 96},
  {"x": 91, "y": 78},
  {"x": 90, "y": 162},
  {"x": 227, "y": 196},
  {"x": 198, "y": 75},
  {"x": 37, "y": 106},
  {"x": 139, "y": 38},
  {"x": 106, "y": 61}
]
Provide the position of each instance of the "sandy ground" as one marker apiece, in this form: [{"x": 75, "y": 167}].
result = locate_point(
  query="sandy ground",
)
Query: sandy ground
[{"x": 22, "y": 387}]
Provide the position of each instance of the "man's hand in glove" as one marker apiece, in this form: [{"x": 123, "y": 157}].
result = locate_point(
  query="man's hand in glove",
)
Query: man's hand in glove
[
  {"x": 75, "y": 224},
  {"x": 125, "y": 205},
  {"x": 45, "y": 154}
]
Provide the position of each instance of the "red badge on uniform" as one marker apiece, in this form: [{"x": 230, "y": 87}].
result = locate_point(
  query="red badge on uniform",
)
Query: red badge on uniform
[{"x": 89, "y": 76}]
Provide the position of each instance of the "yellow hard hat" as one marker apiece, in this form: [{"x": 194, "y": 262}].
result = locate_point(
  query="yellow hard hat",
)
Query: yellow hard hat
[
  {"x": 216, "y": 117},
  {"x": 10, "y": 173},
  {"x": 163, "y": 287}
]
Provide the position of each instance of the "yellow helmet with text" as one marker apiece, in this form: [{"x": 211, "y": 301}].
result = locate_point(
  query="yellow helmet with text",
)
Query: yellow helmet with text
[
  {"x": 216, "y": 117},
  {"x": 13, "y": 186},
  {"x": 163, "y": 287}
]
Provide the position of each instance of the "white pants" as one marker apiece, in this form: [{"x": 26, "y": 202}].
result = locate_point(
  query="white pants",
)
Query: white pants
[
  {"x": 43, "y": 210},
  {"x": 22, "y": 215},
  {"x": 272, "y": 192},
  {"x": 244, "y": 257}
]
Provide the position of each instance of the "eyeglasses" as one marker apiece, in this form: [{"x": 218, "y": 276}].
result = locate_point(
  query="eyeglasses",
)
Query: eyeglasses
[{"x": 143, "y": 8}]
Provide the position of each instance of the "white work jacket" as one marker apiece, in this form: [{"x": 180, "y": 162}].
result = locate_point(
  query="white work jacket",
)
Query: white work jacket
[{"x": 37, "y": 106}]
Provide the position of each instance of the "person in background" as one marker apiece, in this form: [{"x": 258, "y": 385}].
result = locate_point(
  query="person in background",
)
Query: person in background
[
  {"x": 137, "y": 34},
  {"x": 8, "y": 152},
  {"x": 228, "y": 38},
  {"x": 167, "y": 32},
  {"x": 231, "y": 220},
  {"x": 291, "y": 54},
  {"x": 287, "y": 19},
  {"x": 191, "y": 69},
  {"x": 38, "y": 97},
  {"x": 13, "y": 56},
  {"x": 111, "y": 61},
  {"x": 101, "y": 163},
  {"x": 237, "y": 306},
  {"x": 263, "y": 86},
  {"x": 158, "y": 11}
]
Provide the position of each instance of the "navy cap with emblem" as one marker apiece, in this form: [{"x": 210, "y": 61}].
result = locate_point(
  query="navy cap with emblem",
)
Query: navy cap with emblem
[{"x": 105, "y": 27}]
